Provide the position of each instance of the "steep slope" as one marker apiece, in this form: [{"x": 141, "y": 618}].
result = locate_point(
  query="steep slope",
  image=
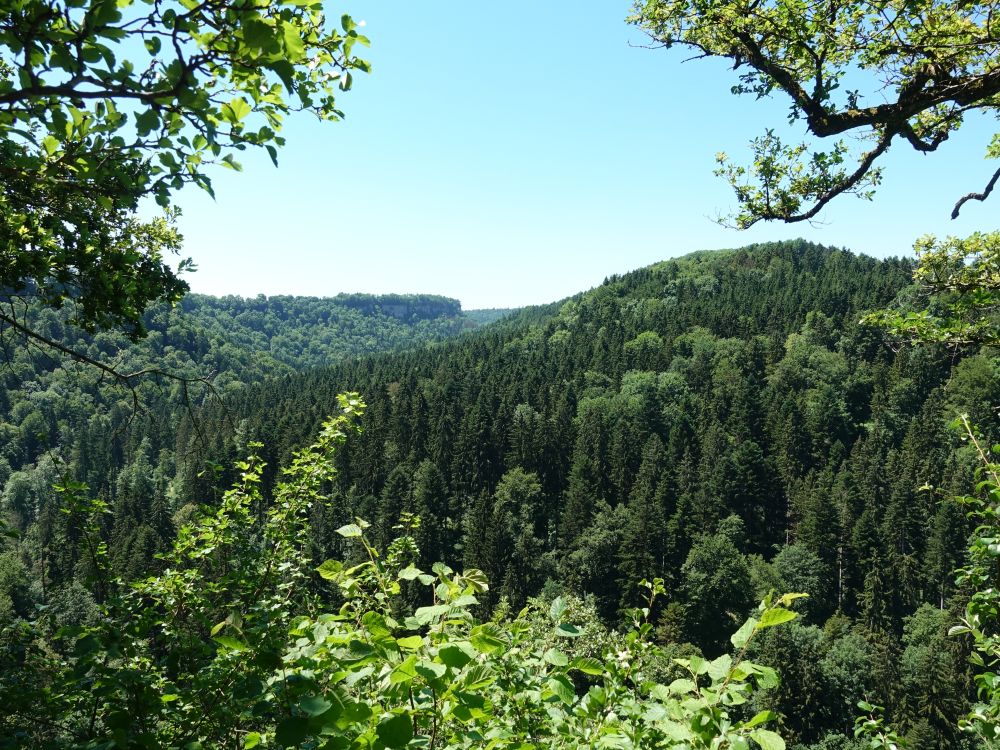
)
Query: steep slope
[
  {"x": 721, "y": 421},
  {"x": 716, "y": 384}
]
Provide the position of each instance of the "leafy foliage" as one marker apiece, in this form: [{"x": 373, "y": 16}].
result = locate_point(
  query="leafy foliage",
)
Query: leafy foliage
[
  {"x": 720, "y": 421},
  {"x": 104, "y": 103},
  {"x": 961, "y": 280},
  {"x": 234, "y": 616},
  {"x": 982, "y": 613},
  {"x": 882, "y": 72}
]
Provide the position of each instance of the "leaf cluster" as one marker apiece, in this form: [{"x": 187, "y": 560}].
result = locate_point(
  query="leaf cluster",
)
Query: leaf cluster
[
  {"x": 103, "y": 103},
  {"x": 959, "y": 280}
]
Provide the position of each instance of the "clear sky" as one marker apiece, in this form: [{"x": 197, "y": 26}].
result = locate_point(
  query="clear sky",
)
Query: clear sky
[{"x": 515, "y": 153}]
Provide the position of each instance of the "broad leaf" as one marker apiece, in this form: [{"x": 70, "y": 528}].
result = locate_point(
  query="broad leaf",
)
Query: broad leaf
[
  {"x": 776, "y": 616},
  {"x": 396, "y": 731},
  {"x": 767, "y": 739}
]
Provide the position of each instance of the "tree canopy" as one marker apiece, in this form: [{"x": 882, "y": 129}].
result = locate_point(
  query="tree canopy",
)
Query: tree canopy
[
  {"x": 958, "y": 279},
  {"x": 882, "y": 72},
  {"x": 106, "y": 102}
]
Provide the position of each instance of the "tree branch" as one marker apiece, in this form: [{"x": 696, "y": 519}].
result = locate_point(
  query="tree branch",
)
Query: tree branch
[
  {"x": 976, "y": 196},
  {"x": 119, "y": 377},
  {"x": 124, "y": 379},
  {"x": 850, "y": 182}
]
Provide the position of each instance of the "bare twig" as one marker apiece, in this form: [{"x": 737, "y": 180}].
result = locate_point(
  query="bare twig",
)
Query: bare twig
[
  {"x": 976, "y": 196},
  {"x": 122, "y": 378}
]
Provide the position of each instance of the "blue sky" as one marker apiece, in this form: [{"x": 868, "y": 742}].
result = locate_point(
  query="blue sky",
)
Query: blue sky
[{"x": 515, "y": 153}]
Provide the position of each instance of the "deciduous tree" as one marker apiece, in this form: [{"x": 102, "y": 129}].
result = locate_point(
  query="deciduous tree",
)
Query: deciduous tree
[
  {"x": 872, "y": 73},
  {"x": 106, "y": 102}
]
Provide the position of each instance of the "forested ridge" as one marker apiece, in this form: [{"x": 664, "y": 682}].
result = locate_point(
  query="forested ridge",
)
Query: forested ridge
[
  {"x": 722, "y": 421},
  {"x": 62, "y": 418}
]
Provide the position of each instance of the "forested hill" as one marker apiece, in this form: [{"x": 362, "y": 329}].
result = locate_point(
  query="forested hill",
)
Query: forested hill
[
  {"x": 554, "y": 354},
  {"x": 58, "y": 418},
  {"x": 722, "y": 421},
  {"x": 304, "y": 332}
]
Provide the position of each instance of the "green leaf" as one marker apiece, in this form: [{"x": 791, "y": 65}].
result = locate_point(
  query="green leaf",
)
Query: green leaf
[
  {"x": 147, "y": 122},
  {"x": 775, "y": 616},
  {"x": 767, "y": 739},
  {"x": 556, "y": 657},
  {"x": 427, "y": 615},
  {"x": 787, "y": 599},
  {"x": 740, "y": 637},
  {"x": 719, "y": 668},
  {"x": 430, "y": 670},
  {"x": 235, "y": 110},
  {"x": 410, "y": 642},
  {"x": 230, "y": 643},
  {"x": 760, "y": 718},
  {"x": 251, "y": 739},
  {"x": 563, "y": 689},
  {"x": 295, "y": 49},
  {"x": 456, "y": 655},
  {"x": 587, "y": 665},
  {"x": 675, "y": 730},
  {"x": 396, "y": 731},
  {"x": 409, "y": 573},
  {"x": 331, "y": 570},
  {"x": 682, "y": 686},
  {"x": 567, "y": 630},
  {"x": 476, "y": 579},
  {"x": 376, "y": 625},
  {"x": 349, "y": 531},
  {"x": 486, "y": 639},
  {"x": 285, "y": 71},
  {"x": 314, "y": 705},
  {"x": 257, "y": 33},
  {"x": 405, "y": 672},
  {"x": 767, "y": 678},
  {"x": 557, "y": 608},
  {"x": 698, "y": 665},
  {"x": 477, "y": 677}
]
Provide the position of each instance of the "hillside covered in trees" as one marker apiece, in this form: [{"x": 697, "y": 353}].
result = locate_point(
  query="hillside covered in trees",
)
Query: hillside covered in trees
[
  {"x": 61, "y": 418},
  {"x": 722, "y": 421},
  {"x": 740, "y": 500}
]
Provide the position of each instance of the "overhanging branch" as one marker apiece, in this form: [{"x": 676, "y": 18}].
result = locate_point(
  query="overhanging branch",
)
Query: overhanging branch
[
  {"x": 976, "y": 196},
  {"x": 127, "y": 380}
]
